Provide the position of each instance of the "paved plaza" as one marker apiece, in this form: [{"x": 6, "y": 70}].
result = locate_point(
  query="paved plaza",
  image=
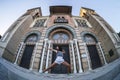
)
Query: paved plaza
[{"x": 9, "y": 71}]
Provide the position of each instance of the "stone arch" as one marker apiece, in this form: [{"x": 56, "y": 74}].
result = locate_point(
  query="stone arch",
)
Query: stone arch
[
  {"x": 88, "y": 33},
  {"x": 69, "y": 28},
  {"x": 64, "y": 44},
  {"x": 30, "y": 33},
  {"x": 28, "y": 48},
  {"x": 92, "y": 50}
]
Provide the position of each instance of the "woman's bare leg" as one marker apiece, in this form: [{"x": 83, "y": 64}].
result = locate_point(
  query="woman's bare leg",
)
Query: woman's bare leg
[
  {"x": 68, "y": 66},
  {"x": 52, "y": 65}
]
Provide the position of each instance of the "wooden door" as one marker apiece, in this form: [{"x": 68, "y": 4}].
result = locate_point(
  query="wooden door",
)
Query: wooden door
[
  {"x": 26, "y": 58},
  {"x": 95, "y": 59}
]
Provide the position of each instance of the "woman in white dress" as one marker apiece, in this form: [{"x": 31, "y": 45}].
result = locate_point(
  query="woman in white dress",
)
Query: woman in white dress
[{"x": 59, "y": 59}]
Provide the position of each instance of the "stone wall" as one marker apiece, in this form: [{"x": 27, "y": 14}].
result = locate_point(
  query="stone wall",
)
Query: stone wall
[
  {"x": 15, "y": 39},
  {"x": 53, "y": 17},
  {"x": 104, "y": 38}
]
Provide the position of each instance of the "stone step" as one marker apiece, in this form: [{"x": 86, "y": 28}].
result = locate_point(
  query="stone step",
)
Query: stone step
[
  {"x": 10, "y": 71},
  {"x": 117, "y": 77}
]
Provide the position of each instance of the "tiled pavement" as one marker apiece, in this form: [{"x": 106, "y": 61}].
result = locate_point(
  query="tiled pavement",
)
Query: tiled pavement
[{"x": 9, "y": 71}]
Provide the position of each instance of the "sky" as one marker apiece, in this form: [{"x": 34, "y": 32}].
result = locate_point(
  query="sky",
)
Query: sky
[{"x": 11, "y": 10}]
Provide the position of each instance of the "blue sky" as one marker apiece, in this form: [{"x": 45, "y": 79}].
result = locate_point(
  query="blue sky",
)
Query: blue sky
[{"x": 10, "y": 10}]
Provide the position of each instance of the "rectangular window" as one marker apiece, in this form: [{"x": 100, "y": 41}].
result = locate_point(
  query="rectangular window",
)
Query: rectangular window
[{"x": 111, "y": 53}]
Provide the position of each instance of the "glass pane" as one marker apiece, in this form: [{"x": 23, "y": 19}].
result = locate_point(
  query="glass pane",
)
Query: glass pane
[
  {"x": 89, "y": 38},
  {"x": 65, "y": 36},
  {"x": 39, "y": 23},
  {"x": 56, "y": 36},
  {"x": 61, "y": 36},
  {"x": 32, "y": 38}
]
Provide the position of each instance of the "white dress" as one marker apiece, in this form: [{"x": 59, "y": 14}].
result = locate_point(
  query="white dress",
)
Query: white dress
[{"x": 59, "y": 59}]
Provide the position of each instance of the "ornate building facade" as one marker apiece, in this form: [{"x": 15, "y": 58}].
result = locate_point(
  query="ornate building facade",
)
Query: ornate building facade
[{"x": 88, "y": 40}]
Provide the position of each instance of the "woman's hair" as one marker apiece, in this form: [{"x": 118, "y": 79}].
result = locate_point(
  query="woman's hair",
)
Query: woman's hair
[{"x": 60, "y": 48}]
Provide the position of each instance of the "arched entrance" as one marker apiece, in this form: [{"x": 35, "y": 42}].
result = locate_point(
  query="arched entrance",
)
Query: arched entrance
[
  {"x": 29, "y": 42},
  {"x": 91, "y": 42},
  {"x": 64, "y": 36},
  {"x": 60, "y": 37}
]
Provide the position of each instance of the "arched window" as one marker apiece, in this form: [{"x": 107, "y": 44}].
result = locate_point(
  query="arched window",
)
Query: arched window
[
  {"x": 60, "y": 36},
  {"x": 32, "y": 38},
  {"x": 28, "y": 50},
  {"x": 60, "y": 20},
  {"x": 89, "y": 38}
]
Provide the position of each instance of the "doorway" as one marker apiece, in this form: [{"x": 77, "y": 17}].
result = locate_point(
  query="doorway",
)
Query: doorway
[
  {"x": 95, "y": 59},
  {"x": 26, "y": 58},
  {"x": 61, "y": 69}
]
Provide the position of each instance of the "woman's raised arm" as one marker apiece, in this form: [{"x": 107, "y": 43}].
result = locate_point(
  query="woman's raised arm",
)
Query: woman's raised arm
[{"x": 53, "y": 50}]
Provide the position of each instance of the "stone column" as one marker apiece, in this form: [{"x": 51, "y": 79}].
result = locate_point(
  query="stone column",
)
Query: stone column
[
  {"x": 43, "y": 53},
  {"x": 74, "y": 62},
  {"x": 48, "y": 56},
  {"x": 102, "y": 53},
  {"x": 78, "y": 54},
  {"x": 21, "y": 45},
  {"x": 88, "y": 60},
  {"x": 34, "y": 57}
]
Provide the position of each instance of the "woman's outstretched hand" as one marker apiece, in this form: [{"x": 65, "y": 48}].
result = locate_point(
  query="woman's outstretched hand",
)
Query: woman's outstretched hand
[
  {"x": 53, "y": 50},
  {"x": 50, "y": 48}
]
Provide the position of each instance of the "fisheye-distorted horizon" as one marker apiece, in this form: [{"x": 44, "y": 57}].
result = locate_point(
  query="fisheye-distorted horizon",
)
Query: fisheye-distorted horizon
[{"x": 11, "y": 10}]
